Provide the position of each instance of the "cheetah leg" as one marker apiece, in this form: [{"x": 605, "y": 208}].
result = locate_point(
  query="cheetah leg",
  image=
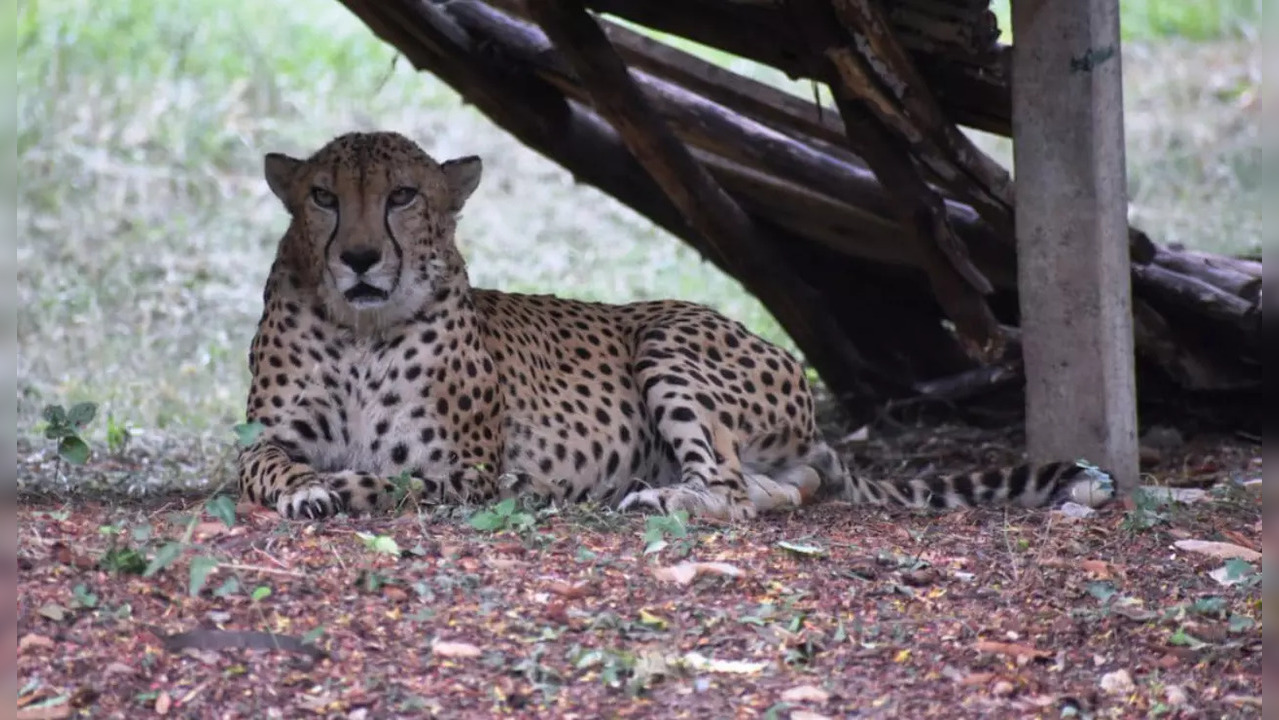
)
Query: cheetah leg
[
  {"x": 711, "y": 480},
  {"x": 296, "y": 490},
  {"x": 271, "y": 478}
]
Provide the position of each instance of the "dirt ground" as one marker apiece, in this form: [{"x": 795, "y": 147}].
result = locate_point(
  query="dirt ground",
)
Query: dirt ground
[{"x": 827, "y": 611}]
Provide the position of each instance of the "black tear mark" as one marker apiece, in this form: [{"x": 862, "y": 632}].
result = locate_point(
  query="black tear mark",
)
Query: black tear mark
[{"x": 1091, "y": 59}]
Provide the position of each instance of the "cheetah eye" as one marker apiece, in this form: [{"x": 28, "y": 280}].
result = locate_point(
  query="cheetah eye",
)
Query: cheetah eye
[
  {"x": 401, "y": 196},
  {"x": 324, "y": 198}
]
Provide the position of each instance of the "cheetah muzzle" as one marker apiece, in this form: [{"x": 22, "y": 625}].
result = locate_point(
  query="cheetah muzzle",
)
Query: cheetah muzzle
[{"x": 376, "y": 362}]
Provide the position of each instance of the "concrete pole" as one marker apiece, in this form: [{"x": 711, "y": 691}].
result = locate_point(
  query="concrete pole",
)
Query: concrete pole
[{"x": 1072, "y": 234}]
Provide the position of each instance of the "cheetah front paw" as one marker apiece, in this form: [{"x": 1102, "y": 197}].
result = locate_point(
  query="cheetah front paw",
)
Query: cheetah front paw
[
  {"x": 696, "y": 502},
  {"x": 311, "y": 501}
]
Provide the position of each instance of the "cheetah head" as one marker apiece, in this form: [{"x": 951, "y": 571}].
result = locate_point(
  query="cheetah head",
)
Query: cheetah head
[{"x": 373, "y": 217}]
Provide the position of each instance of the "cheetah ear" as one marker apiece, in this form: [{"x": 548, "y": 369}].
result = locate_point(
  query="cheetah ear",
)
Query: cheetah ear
[
  {"x": 280, "y": 171},
  {"x": 463, "y": 175}
]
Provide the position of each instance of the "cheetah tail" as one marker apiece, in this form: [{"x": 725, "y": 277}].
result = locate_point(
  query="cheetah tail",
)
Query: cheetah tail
[{"x": 1026, "y": 484}]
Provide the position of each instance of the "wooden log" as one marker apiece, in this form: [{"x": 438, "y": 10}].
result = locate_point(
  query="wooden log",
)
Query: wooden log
[
  {"x": 1237, "y": 277},
  {"x": 945, "y": 258},
  {"x": 1197, "y": 296},
  {"x": 883, "y": 56},
  {"x": 714, "y": 128},
  {"x": 977, "y": 96}
]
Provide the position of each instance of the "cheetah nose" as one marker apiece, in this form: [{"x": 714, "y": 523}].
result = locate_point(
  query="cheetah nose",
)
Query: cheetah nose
[{"x": 360, "y": 260}]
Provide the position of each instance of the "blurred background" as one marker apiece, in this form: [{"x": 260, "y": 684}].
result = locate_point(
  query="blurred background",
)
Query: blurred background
[{"x": 145, "y": 229}]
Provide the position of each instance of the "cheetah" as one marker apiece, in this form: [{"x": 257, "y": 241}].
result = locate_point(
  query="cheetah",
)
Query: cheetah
[{"x": 375, "y": 361}]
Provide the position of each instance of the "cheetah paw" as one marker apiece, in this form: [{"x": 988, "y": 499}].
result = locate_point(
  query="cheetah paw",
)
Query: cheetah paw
[
  {"x": 312, "y": 501},
  {"x": 693, "y": 501}
]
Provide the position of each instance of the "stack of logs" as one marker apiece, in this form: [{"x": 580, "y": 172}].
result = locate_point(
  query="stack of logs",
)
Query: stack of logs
[{"x": 877, "y": 234}]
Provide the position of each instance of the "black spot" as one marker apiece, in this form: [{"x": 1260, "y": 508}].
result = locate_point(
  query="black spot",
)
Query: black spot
[
  {"x": 303, "y": 428},
  {"x": 399, "y": 454},
  {"x": 683, "y": 414}
]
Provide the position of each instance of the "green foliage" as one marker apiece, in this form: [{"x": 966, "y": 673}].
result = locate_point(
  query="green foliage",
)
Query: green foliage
[
  {"x": 383, "y": 544},
  {"x": 247, "y": 432},
  {"x": 660, "y": 529},
  {"x": 1148, "y": 511},
  {"x": 118, "y": 435},
  {"x": 65, "y": 426},
  {"x": 221, "y": 507},
  {"x": 505, "y": 515}
]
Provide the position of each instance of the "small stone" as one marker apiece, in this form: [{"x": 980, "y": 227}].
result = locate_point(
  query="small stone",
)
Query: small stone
[
  {"x": 1118, "y": 682},
  {"x": 1002, "y": 688},
  {"x": 1175, "y": 695}
]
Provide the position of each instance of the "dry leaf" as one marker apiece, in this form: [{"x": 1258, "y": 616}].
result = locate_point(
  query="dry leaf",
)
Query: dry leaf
[
  {"x": 571, "y": 591},
  {"x": 163, "y": 702},
  {"x": 444, "y": 648},
  {"x": 980, "y": 678},
  {"x": 33, "y": 640},
  {"x": 394, "y": 593},
  {"x": 698, "y": 661},
  {"x": 1014, "y": 649},
  {"x": 503, "y": 563},
  {"x": 1222, "y": 550},
  {"x": 1118, "y": 682},
  {"x": 45, "y": 712},
  {"x": 213, "y": 528},
  {"x": 685, "y": 572},
  {"x": 807, "y": 715},
  {"x": 805, "y": 693},
  {"x": 1099, "y": 568}
]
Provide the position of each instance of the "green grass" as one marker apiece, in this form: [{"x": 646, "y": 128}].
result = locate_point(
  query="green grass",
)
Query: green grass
[{"x": 145, "y": 228}]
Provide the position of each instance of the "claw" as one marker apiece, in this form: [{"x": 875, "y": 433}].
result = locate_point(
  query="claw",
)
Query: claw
[{"x": 311, "y": 502}]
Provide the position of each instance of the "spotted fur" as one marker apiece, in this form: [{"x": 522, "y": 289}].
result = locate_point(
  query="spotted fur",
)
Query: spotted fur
[{"x": 375, "y": 359}]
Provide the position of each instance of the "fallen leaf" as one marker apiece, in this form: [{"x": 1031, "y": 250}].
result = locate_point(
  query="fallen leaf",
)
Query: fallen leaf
[
  {"x": 571, "y": 591},
  {"x": 920, "y": 578},
  {"x": 807, "y": 715},
  {"x": 44, "y": 712},
  {"x": 1217, "y": 549},
  {"x": 394, "y": 593},
  {"x": 685, "y": 572},
  {"x": 509, "y": 548},
  {"x": 1098, "y": 568},
  {"x": 34, "y": 640},
  {"x": 697, "y": 661},
  {"x": 649, "y": 618},
  {"x": 445, "y": 648},
  {"x": 1014, "y": 649},
  {"x": 163, "y": 702},
  {"x": 801, "y": 548},
  {"x": 980, "y": 678},
  {"x": 53, "y": 611},
  {"x": 503, "y": 563},
  {"x": 557, "y": 612},
  {"x": 1118, "y": 682},
  {"x": 805, "y": 693}
]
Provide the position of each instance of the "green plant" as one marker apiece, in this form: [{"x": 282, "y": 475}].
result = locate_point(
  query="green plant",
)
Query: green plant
[
  {"x": 659, "y": 529},
  {"x": 118, "y": 435},
  {"x": 505, "y": 515},
  {"x": 65, "y": 426},
  {"x": 1147, "y": 512}
]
